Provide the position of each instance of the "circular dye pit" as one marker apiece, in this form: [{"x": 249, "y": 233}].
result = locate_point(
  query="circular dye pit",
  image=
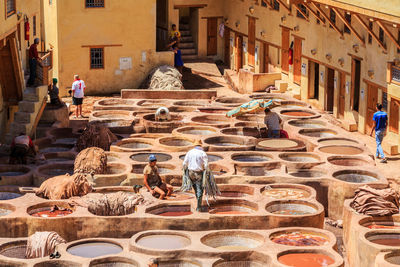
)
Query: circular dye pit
[
  {"x": 110, "y": 114},
  {"x": 14, "y": 250},
  {"x": 47, "y": 210},
  {"x": 216, "y": 120},
  {"x": 67, "y": 141},
  {"x": 307, "y": 124},
  {"x": 94, "y": 249},
  {"x": 144, "y": 157},
  {"x": 163, "y": 241},
  {"x": 240, "y": 263},
  {"x": 116, "y": 102},
  {"x": 233, "y": 191},
  {"x": 341, "y": 150},
  {"x": 236, "y": 101},
  {"x": 162, "y": 168},
  {"x": 13, "y": 170},
  {"x": 134, "y": 144},
  {"x": 196, "y": 131},
  {"x": 355, "y": 176},
  {"x": 382, "y": 225},
  {"x": 4, "y": 211},
  {"x": 299, "y": 238},
  {"x": 281, "y": 192},
  {"x": 60, "y": 156},
  {"x": 393, "y": 258},
  {"x": 113, "y": 262},
  {"x": 178, "y": 263},
  {"x": 347, "y": 161},
  {"x": 228, "y": 143},
  {"x": 170, "y": 210},
  {"x": 297, "y": 113},
  {"x": 211, "y": 158},
  {"x": 300, "y": 157},
  {"x": 254, "y": 118},
  {"x": 318, "y": 132},
  {"x": 56, "y": 169},
  {"x": 233, "y": 240},
  {"x": 251, "y": 157},
  {"x": 292, "y": 104},
  {"x": 307, "y": 173},
  {"x": 9, "y": 195},
  {"x": 384, "y": 239},
  {"x": 278, "y": 144},
  {"x": 337, "y": 142},
  {"x": 245, "y": 131},
  {"x": 292, "y": 209},
  {"x": 306, "y": 260},
  {"x": 213, "y": 110},
  {"x": 197, "y": 103},
  {"x": 230, "y": 210},
  {"x": 56, "y": 148},
  {"x": 112, "y": 157},
  {"x": 217, "y": 169},
  {"x": 175, "y": 141},
  {"x": 53, "y": 263}
]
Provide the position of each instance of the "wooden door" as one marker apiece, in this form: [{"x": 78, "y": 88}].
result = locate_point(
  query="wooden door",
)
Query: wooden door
[
  {"x": 342, "y": 95},
  {"x": 285, "y": 50},
  {"x": 252, "y": 41},
  {"x": 297, "y": 61},
  {"x": 8, "y": 75},
  {"x": 330, "y": 90},
  {"x": 266, "y": 58},
  {"x": 239, "y": 51},
  {"x": 227, "y": 47},
  {"x": 372, "y": 100},
  {"x": 394, "y": 115},
  {"x": 212, "y": 32}
]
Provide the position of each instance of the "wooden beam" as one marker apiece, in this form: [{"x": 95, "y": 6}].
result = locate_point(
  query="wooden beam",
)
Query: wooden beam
[
  {"x": 388, "y": 33},
  {"x": 301, "y": 12},
  {"x": 196, "y": 6},
  {"x": 285, "y": 6},
  {"x": 349, "y": 25},
  {"x": 328, "y": 19},
  {"x": 267, "y": 3},
  {"x": 213, "y": 17},
  {"x": 17, "y": 67},
  {"x": 370, "y": 32},
  {"x": 314, "y": 13}
]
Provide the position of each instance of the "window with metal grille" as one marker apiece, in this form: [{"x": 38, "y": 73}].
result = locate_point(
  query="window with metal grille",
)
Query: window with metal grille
[
  {"x": 96, "y": 58},
  {"x": 303, "y": 9},
  {"x": 332, "y": 17},
  {"x": 10, "y": 7},
  {"x": 381, "y": 35},
  {"x": 275, "y": 4},
  {"x": 34, "y": 25},
  {"x": 319, "y": 15},
  {"x": 94, "y": 3},
  {"x": 396, "y": 74},
  {"x": 384, "y": 101},
  {"x": 348, "y": 19},
  {"x": 371, "y": 27}
]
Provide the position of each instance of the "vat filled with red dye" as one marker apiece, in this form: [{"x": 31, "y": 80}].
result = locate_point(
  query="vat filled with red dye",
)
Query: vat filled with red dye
[
  {"x": 384, "y": 239},
  {"x": 309, "y": 259},
  {"x": 50, "y": 211},
  {"x": 299, "y": 238}
]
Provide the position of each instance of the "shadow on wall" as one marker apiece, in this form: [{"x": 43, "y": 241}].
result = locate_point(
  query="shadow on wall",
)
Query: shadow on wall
[{"x": 195, "y": 81}]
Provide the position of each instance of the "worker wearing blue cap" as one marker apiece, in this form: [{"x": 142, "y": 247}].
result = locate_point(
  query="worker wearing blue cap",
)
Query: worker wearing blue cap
[{"x": 152, "y": 179}]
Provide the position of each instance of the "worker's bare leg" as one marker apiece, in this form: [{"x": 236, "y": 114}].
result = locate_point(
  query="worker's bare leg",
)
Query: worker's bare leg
[
  {"x": 160, "y": 192},
  {"x": 77, "y": 111}
]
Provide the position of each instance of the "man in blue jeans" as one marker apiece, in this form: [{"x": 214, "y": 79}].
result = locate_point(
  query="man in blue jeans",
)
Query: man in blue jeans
[{"x": 380, "y": 122}]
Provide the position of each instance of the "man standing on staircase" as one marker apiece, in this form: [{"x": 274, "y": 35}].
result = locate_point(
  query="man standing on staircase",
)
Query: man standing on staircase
[
  {"x": 33, "y": 61},
  {"x": 78, "y": 88}
]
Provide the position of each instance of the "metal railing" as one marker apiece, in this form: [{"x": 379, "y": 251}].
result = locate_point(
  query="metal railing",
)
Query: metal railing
[{"x": 395, "y": 74}]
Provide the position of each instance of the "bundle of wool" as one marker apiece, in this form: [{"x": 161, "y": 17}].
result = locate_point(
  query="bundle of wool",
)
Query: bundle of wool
[
  {"x": 92, "y": 160},
  {"x": 42, "y": 244},
  {"x": 66, "y": 186},
  {"x": 164, "y": 78},
  {"x": 96, "y": 135}
]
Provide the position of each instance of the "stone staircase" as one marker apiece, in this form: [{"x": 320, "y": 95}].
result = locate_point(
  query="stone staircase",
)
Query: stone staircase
[
  {"x": 29, "y": 111},
  {"x": 187, "y": 45}
]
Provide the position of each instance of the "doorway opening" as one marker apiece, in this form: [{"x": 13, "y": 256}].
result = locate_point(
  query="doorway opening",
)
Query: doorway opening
[
  {"x": 356, "y": 80},
  {"x": 189, "y": 29},
  {"x": 162, "y": 36},
  {"x": 313, "y": 86},
  {"x": 330, "y": 90}
]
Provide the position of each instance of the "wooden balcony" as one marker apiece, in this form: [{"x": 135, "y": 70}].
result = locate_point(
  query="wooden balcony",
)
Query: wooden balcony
[{"x": 44, "y": 72}]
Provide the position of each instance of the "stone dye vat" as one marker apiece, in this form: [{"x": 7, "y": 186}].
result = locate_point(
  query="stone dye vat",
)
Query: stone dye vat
[
  {"x": 15, "y": 249},
  {"x": 299, "y": 238},
  {"x": 144, "y": 157},
  {"x": 6, "y": 209},
  {"x": 280, "y": 145},
  {"x": 114, "y": 104},
  {"x": 60, "y": 156},
  {"x": 341, "y": 150},
  {"x": 307, "y": 124},
  {"x": 58, "y": 263},
  {"x": 191, "y": 103},
  {"x": 162, "y": 168},
  {"x": 132, "y": 145},
  {"x": 293, "y": 208},
  {"x": 153, "y": 126},
  {"x": 162, "y": 241},
  {"x": 229, "y": 143},
  {"x": 114, "y": 262},
  {"x": 63, "y": 136},
  {"x": 337, "y": 141},
  {"x": 176, "y": 143},
  {"x": 298, "y": 114},
  {"x": 233, "y": 240},
  {"x": 231, "y": 101},
  {"x": 307, "y": 173},
  {"x": 306, "y": 259},
  {"x": 115, "y": 174},
  {"x": 218, "y": 121},
  {"x": 9, "y": 195},
  {"x": 233, "y": 191},
  {"x": 355, "y": 176},
  {"x": 292, "y": 104},
  {"x": 349, "y": 161},
  {"x": 318, "y": 133},
  {"x": 287, "y": 191},
  {"x": 195, "y": 132},
  {"x": 245, "y": 131},
  {"x": 251, "y": 157},
  {"x": 170, "y": 210},
  {"x": 93, "y": 249},
  {"x": 384, "y": 239},
  {"x": 232, "y": 207},
  {"x": 50, "y": 210},
  {"x": 213, "y": 110},
  {"x": 15, "y": 175},
  {"x": 52, "y": 148},
  {"x": 300, "y": 157},
  {"x": 152, "y": 104}
]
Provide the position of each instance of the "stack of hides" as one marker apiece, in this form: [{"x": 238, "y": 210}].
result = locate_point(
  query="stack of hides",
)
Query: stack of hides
[
  {"x": 96, "y": 135},
  {"x": 375, "y": 202},
  {"x": 164, "y": 78},
  {"x": 65, "y": 186},
  {"x": 42, "y": 244},
  {"x": 91, "y": 160}
]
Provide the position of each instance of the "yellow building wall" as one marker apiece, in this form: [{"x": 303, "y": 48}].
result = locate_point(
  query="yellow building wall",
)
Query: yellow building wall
[
  {"x": 50, "y": 19},
  {"x": 126, "y": 28}
]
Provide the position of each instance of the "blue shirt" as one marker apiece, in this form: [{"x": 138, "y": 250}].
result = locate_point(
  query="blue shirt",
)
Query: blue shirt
[{"x": 380, "y": 118}]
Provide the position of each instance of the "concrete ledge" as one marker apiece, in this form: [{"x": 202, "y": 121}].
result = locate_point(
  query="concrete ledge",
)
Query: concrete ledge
[
  {"x": 349, "y": 125},
  {"x": 250, "y": 82},
  {"x": 167, "y": 94},
  {"x": 390, "y": 148}
]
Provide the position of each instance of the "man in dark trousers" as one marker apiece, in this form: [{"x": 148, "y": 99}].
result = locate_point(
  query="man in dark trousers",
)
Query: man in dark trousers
[
  {"x": 33, "y": 61},
  {"x": 380, "y": 119}
]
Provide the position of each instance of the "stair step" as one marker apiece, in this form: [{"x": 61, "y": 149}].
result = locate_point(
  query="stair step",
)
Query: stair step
[
  {"x": 185, "y": 33},
  {"x": 27, "y": 106},
  {"x": 188, "y": 51},
  {"x": 185, "y": 39},
  {"x": 184, "y": 26},
  {"x": 22, "y": 117},
  {"x": 189, "y": 56},
  {"x": 16, "y": 128},
  {"x": 186, "y": 45}
]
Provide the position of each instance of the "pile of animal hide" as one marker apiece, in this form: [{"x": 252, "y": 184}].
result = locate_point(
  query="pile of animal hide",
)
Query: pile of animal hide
[
  {"x": 96, "y": 135},
  {"x": 163, "y": 78},
  {"x": 65, "y": 186},
  {"x": 42, "y": 244},
  {"x": 92, "y": 160},
  {"x": 375, "y": 202}
]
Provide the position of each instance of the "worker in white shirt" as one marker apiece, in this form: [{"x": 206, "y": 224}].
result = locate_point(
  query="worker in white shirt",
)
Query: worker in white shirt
[
  {"x": 162, "y": 114},
  {"x": 78, "y": 88},
  {"x": 196, "y": 162}
]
